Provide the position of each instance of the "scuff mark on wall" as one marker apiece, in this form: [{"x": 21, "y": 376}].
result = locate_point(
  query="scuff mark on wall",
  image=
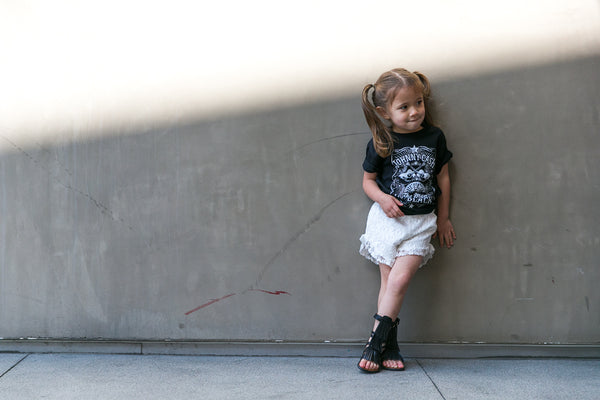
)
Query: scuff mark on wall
[
  {"x": 277, "y": 293},
  {"x": 213, "y": 301},
  {"x": 587, "y": 303},
  {"x": 282, "y": 250}
]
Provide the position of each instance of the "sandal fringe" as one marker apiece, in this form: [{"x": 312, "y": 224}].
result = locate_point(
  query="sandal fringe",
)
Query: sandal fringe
[
  {"x": 392, "y": 351},
  {"x": 377, "y": 343}
]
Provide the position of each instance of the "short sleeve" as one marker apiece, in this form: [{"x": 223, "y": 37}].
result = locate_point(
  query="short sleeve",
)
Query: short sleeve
[
  {"x": 372, "y": 162},
  {"x": 443, "y": 155}
]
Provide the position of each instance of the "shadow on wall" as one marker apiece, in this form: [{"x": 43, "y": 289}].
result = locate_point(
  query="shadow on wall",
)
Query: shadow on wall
[{"x": 247, "y": 227}]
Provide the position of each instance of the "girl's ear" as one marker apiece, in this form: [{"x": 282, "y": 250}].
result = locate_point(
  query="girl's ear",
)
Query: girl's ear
[{"x": 381, "y": 111}]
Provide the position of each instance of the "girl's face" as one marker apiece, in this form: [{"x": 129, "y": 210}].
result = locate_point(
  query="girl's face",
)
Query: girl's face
[{"x": 406, "y": 111}]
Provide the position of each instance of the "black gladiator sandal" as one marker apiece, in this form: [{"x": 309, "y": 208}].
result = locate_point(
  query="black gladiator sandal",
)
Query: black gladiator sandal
[
  {"x": 377, "y": 343},
  {"x": 392, "y": 351}
]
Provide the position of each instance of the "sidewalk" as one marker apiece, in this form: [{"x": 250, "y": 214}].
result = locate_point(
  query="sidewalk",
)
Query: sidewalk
[{"x": 105, "y": 376}]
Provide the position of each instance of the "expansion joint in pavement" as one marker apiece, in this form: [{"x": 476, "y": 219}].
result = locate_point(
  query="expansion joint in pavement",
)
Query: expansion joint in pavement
[
  {"x": 10, "y": 369},
  {"x": 432, "y": 381}
]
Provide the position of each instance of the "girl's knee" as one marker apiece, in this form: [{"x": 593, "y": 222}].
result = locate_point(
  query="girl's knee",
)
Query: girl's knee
[
  {"x": 399, "y": 279},
  {"x": 398, "y": 283}
]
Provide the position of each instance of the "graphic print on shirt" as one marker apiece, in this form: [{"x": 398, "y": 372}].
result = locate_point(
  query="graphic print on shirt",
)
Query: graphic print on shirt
[{"x": 412, "y": 182}]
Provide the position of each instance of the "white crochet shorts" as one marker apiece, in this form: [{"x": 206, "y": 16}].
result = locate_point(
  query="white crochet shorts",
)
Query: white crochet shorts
[{"x": 387, "y": 238}]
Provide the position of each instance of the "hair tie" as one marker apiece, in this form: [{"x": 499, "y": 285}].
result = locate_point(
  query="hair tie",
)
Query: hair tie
[{"x": 371, "y": 96}]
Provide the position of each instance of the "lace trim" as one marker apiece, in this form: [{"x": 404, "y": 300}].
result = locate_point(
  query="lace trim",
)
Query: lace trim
[{"x": 370, "y": 250}]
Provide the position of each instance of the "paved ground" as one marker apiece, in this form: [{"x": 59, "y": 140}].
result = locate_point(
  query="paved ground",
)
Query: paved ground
[{"x": 102, "y": 376}]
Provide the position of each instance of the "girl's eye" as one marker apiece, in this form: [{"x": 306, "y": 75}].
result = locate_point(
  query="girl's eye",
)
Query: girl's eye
[{"x": 403, "y": 107}]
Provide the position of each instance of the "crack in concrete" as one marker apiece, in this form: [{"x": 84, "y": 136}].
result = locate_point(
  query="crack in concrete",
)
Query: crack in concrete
[
  {"x": 294, "y": 150},
  {"x": 106, "y": 211},
  {"x": 103, "y": 209},
  {"x": 298, "y": 234},
  {"x": 432, "y": 381},
  {"x": 282, "y": 250},
  {"x": 56, "y": 160}
]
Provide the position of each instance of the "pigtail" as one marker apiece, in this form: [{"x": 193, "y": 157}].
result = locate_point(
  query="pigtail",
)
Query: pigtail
[
  {"x": 429, "y": 119},
  {"x": 381, "y": 93},
  {"x": 382, "y": 138}
]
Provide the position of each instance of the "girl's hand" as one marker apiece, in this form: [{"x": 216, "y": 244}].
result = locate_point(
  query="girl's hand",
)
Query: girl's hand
[
  {"x": 445, "y": 231},
  {"x": 390, "y": 206}
]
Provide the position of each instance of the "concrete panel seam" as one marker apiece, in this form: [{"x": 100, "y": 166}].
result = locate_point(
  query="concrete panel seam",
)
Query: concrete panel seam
[
  {"x": 298, "y": 349},
  {"x": 11, "y": 368}
]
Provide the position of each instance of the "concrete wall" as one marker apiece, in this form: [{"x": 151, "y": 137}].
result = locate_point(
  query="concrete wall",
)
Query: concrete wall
[{"x": 245, "y": 225}]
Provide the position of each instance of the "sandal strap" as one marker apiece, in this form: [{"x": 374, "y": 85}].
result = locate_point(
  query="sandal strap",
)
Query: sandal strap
[
  {"x": 392, "y": 351},
  {"x": 377, "y": 343},
  {"x": 392, "y": 339},
  {"x": 380, "y": 335},
  {"x": 385, "y": 318}
]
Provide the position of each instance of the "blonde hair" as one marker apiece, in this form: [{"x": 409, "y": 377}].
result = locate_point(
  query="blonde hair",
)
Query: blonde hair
[{"x": 381, "y": 94}]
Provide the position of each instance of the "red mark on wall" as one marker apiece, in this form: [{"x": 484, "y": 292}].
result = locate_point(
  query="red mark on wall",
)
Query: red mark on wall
[{"x": 213, "y": 301}]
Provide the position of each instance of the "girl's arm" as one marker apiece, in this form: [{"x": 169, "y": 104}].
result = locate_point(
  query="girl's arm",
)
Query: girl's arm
[
  {"x": 445, "y": 231},
  {"x": 389, "y": 204}
]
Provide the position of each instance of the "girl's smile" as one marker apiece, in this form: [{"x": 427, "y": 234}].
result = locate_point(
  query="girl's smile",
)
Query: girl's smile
[{"x": 406, "y": 111}]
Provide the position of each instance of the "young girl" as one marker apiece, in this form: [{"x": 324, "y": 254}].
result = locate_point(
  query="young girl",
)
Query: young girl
[{"x": 406, "y": 175}]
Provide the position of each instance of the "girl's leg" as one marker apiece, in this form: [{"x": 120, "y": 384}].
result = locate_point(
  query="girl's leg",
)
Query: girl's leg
[
  {"x": 391, "y": 295},
  {"x": 397, "y": 283},
  {"x": 400, "y": 276},
  {"x": 384, "y": 271}
]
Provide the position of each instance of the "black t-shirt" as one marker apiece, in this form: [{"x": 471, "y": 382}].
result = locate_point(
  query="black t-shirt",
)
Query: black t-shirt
[{"x": 410, "y": 172}]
